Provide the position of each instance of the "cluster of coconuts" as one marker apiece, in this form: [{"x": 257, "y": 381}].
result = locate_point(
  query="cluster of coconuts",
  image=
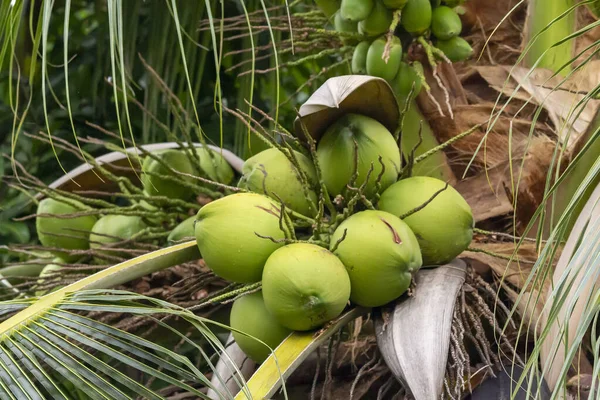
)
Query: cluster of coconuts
[
  {"x": 378, "y": 55},
  {"x": 65, "y": 225},
  {"x": 368, "y": 259}
]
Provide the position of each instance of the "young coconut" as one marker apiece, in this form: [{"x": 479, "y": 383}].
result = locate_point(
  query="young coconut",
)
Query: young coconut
[
  {"x": 444, "y": 227},
  {"x": 65, "y": 233},
  {"x": 214, "y": 166},
  {"x": 272, "y": 171},
  {"x": 155, "y": 175},
  {"x": 344, "y": 25},
  {"x": 50, "y": 274},
  {"x": 456, "y": 49},
  {"x": 329, "y": 7},
  {"x": 395, "y": 4},
  {"x": 304, "y": 286},
  {"x": 336, "y": 154},
  {"x": 378, "y": 22},
  {"x": 249, "y": 315},
  {"x": 112, "y": 229},
  {"x": 445, "y": 23},
  {"x": 359, "y": 58},
  {"x": 408, "y": 79},
  {"x": 380, "y": 253},
  {"x": 416, "y": 16},
  {"x": 377, "y": 66},
  {"x": 227, "y": 232},
  {"x": 356, "y": 10},
  {"x": 184, "y": 230}
]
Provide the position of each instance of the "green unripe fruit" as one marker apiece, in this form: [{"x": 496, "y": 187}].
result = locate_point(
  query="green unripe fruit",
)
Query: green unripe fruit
[
  {"x": 173, "y": 188},
  {"x": 378, "y": 22},
  {"x": 376, "y": 65},
  {"x": 356, "y": 10},
  {"x": 329, "y": 7},
  {"x": 272, "y": 171},
  {"x": 50, "y": 274},
  {"x": 336, "y": 153},
  {"x": 416, "y": 16},
  {"x": 344, "y": 25},
  {"x": 214, "y": 166},
  {"x": 304, "y": 286},
  {"x": 456, "y": 49},
  {"x": 227, "y": 232},
  {"x": 445, "y": 23},
  {"x": 395, "y": 4},
  {"x": 18, "y": 274},
  {"x": 184, "y": 230},
  {"x": 249, "y": 315},
  {"x": 453, "y": 3},
  {"x": 408, "y": 79},
  {"x": 435, "y": 3},
  {"x": 113, "y": 230},
  {"x": 359, "y": 58},
  {"x": 64, "y": 233},
  {"x": 444, "y": 227},
  {"x": 380, "y": 253}
]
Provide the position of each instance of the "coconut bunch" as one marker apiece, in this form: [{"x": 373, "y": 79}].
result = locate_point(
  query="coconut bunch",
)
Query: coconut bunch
[
  {"x": 80, "y": 233},
  {"x": 327, "y": 221},
  {"x": 386, "y": 31}
]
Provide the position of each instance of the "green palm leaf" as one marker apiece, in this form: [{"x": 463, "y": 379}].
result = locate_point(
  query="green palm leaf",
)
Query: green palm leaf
[{"x": 50, "y": 342}]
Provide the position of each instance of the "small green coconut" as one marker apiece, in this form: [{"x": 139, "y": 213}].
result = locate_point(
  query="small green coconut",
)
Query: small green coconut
[
  {"x": 50, "y": 274},
  {"x": 184, "y": 230},
  {"x": 112, "y": 229},
  {"x": 377, "y": 66},
  {"x": 249, "y": 315},
  {"x": 378, "y": 22},
  {"x": 329, "y": 7},
  {"x": 227, "y": 232},
  {"x": 304, "y": 286},
  {"x": 380, "y": 253},
  {"x": 19, "y": 274},
  {"x": 445, "y": 23},
  {"x": 356, "y": 10},
  {"x": 456, "y": 49},
  {"x": 64, "y": 233},
  {"x": 152, "y": 170},
  {"x": 214, "y": 166},
  {"x": 408, "y": 79},
  {"x": 335, "y": 153},
  {"x": 272, "y": 171},
  {"x": 444, "y": 227},
  {"x": 416, "y": 16},
  {"x": 359, "y": 58},
  {"x": 344, "y": 25}
]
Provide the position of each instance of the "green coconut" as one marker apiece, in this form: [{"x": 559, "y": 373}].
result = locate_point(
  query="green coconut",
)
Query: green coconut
[
  {"x": 380, "y": 253},
  {"x": 304, "y": 286},
  {"x": 329, "y": 7},
  {"x": 112, "y": 229},
  {"x": 64, "y": 233},
  {"x": 249, "y": 315},
  {"x": 184, "y": 230},
  {"x": 395, "y": 4},
  {"x": 152, "y": 170},
  {"x": 51, "y": 273},
  {"x": 227, "y": 232},
  {"x": 344, "y": 25},
  {"x": 444, "y": 227},
  {"x": 453, "y": 3},
  {"x": 445, "y": 23},
  {"x": 456, "y": 49},
  {"x": 408, "y": 79},
  {"x": 359, "y": 58},
  {"x": 356, "y": 10},
  {"x": 214, "y": 166},
  {"x": 378, "y": 22},
  {"x": 272, "y": 171},
  {"x": 19, "y": 274},
  {"x": 376, "y": 65},
  {"x": 416, "y": 16},
  {"x": 336, "y": 152}
]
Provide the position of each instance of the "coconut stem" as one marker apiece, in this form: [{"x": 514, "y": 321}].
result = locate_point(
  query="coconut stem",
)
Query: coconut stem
[{"x": 422, "y": 206}]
